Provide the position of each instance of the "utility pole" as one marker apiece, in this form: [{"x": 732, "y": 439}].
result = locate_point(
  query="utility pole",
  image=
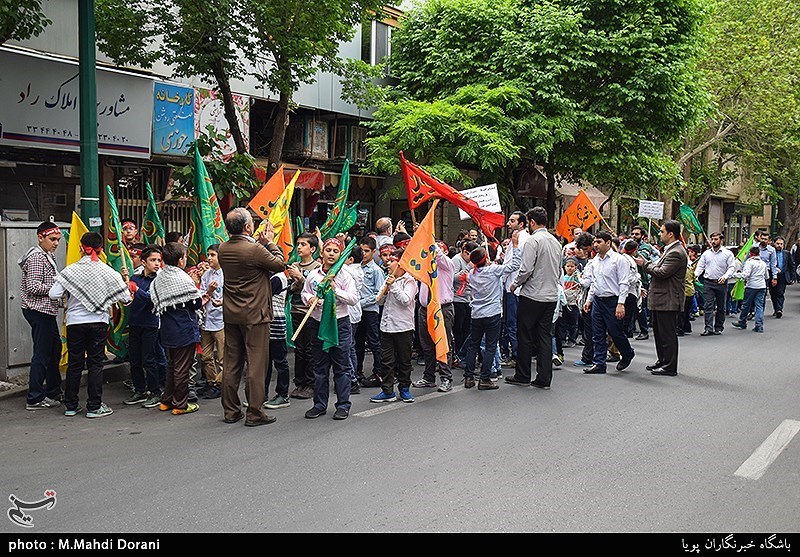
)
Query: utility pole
[{"x": 90, "y": 171}]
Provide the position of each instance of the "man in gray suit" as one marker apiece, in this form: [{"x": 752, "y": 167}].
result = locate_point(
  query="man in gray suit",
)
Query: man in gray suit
[{"x": 666, "y": 297}]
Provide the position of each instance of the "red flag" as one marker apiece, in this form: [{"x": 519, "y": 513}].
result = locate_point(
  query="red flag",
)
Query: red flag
[{"x": 421, "y": 187}]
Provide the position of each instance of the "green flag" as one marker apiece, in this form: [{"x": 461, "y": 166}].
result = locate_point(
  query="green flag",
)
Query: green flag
[
  {"x": 206, "y": 227},
  {"x": 738, "y": 289},
  {"x": 328, "y": 326},
  {"x": 117, "y": 257},
  {"x": 689, "y": 219},
  {"x": 341, "y": 214},
  {"x": 152, "y": 229}
]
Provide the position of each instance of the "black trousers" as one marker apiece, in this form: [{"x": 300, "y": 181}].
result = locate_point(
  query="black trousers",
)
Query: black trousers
[
  {"x": 86, "y": 343},
  {"x": 684, "y": 323},
  {"x": 714, "y": 298},
  {"x": 45, "y": 378},
  {"x": 432, "y": 365},
  {"x": 665, "y": 329},
  {"x": 534, "y": 338},
  {"x": 777, "y": 293},
  {"x": 368, "y": 332},
  {"x": 587, "y": 355},
  {"x": 303, "y": 359},
  {"x": 462, "y": 315},
  {"x": 396, "y": 353}
]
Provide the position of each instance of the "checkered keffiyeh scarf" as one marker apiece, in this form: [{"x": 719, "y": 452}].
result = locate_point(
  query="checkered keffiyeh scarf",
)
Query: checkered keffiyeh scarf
[
  {"x": 96, "y": 285},
  {"x": 172, "y": 287}
]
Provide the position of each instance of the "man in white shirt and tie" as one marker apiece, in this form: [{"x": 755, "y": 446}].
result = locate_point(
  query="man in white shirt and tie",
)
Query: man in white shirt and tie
[
  {"x": 716, "y": 266},
  {"x": 606, "y": 300}
]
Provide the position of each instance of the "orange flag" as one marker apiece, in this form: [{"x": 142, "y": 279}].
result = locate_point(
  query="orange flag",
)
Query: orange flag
[
  {"x": 267, "y": 197},
  {"x": 419, "y": 261},
  {"x": 580, "y": 214}
]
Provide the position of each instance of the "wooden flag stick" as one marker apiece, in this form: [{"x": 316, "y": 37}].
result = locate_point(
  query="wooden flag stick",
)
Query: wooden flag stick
[{"x": 311, "y": 307}]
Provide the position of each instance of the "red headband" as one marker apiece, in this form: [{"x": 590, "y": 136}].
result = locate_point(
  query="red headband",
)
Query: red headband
[
  {"x": 49, "y": 231},
  {"x": 333, "y": 240},
  {"x": 481, "y": 262},
  {"x": 134, "y": 251},
  {"x": 128, "y": 226},
  {"x": 402, "y": 244},
  {"x": 386, "y": 248},
  {"x": 92, "y": 252}
]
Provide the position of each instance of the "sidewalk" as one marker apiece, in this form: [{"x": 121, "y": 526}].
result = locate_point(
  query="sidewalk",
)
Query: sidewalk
[{"x": 17, "y": 382}]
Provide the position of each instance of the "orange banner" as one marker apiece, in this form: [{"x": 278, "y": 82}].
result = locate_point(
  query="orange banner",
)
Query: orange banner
[
  {"x": 267, "y": 196},
  {"x": 580, "y": 214},
  {"x": 419, "y": 261}
]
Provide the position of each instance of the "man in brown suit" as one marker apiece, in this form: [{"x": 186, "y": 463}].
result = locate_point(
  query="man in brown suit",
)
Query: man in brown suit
[
  {"x": 666, "y": 297},
  {"x": 247, "y": 312}
]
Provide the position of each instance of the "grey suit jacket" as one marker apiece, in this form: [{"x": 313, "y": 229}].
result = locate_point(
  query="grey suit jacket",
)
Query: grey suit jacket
[{"x": 667, "y": 290}]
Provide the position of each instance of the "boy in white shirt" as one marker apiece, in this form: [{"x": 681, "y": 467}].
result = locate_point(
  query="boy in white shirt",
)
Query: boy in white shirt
[
  {"x": 397, "y": 331},
  {"x": 755, "y": 272},
  {"x": 353, "y": 266}
]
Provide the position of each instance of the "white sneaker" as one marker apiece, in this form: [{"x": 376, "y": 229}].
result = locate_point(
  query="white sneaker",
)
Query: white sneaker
[
  {"x": 445, "y": 386},
  {"x": 46, "y": 402},
  {"x": 100, "y": 412}
]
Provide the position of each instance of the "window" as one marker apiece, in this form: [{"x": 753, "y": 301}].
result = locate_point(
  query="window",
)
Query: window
[
  {"x": 358, "y": 149},
  {"x": 376, "y": 38}
]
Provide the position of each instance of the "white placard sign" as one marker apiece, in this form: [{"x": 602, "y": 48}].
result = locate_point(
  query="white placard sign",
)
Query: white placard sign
[
  {"x": 486, "y": 197},
  {"x": 651, "y": 209},
  {"x": 40, "y": 98}
]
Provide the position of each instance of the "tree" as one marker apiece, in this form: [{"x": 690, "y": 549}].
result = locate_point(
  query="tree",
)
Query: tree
[
  {"x": 21, "y": 20},
  {"x": 752, "y": 74},
  {"x": 282, "y": 43},
  {"x": 589, "y": 90}
]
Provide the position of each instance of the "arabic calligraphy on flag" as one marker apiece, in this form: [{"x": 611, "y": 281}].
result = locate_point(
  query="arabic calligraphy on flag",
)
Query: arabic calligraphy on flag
[{"x": 580, "y": 214}]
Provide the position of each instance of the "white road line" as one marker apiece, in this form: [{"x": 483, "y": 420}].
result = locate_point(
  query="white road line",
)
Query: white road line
[
  {"x": 755, "y": 466},
  {"x": 389, "y": 406}
]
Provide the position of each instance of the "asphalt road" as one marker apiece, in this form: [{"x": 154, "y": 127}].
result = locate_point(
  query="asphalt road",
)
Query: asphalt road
[{"x": 623, "y": 452}]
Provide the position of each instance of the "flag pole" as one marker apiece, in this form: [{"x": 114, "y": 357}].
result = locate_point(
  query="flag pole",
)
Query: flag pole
[{"x": 311, "y": 307}]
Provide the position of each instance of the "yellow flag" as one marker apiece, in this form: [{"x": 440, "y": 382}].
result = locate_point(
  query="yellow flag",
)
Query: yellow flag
[{"x": 419, "y": 261}]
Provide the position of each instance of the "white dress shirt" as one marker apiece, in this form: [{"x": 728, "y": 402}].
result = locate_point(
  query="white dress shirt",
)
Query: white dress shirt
[
  {"x": 610, "y": 277},
  {"x": 716, "y": 264}
]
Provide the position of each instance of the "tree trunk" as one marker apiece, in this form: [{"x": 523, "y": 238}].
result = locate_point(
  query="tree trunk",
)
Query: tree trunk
[
  {"x": 223, "y": 82},
  {"x": 550, "y": 202},
  {"x": 278, "y": 134},
  {"x": 791, "y": 220}
]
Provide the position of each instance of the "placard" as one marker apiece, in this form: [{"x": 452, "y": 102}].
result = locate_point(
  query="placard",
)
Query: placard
[
  {"x": 486, "y": 197},
  {"x": 173, "y": 119},
  {"x": 651, "y": 209}
]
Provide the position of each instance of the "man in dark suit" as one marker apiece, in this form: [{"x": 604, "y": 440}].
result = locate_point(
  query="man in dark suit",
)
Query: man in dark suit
[
  {"x": 786, "y": 275},
  {"x": 247, "y": 311},
  {"x": 666, "y": 297}
]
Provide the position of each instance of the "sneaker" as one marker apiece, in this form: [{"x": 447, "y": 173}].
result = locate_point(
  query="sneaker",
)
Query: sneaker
[
  {"x": 405, "y": 395},
  {"x": 355, "y": 388},
  {"x": 445, "y": 386},
  {"x": 420, "y": 361},
  {"x": 511, "y": 362},
  {"x": 303, "y": 393},
  {"x": 384, "y": 397},
  {"x": 457, "y": 364},
  {"x": 612, "y": 358},
  {"x": 778, "y": 314},
  {"x": 371, "y": 381},
  {"x": 192, "y": 396},
  {"x": 469, "y": 382},
  {"x": 557, "y": 360},
  {"x": 569, "y": 344},
  {"x": 211, "y": 393},
  {"x": 278, "y": 401},
  {"x": 581, "y": 363},
  {"x": 739, "y": 325},
  {"x": 511, "y": 380},
  {"x": 100, "y": 412},
  {"x": 341, "y": 414},
  {"x": 315, "y": 412},
  {"x": 128, "y": 384},
  {"x": 758, "y": 329},
  {"x": 46, "y": 402},
  {"x": 135, "y": 398},
  {"x": 164, "y": 407},
  {"x": 295, "y": 392},
  {"x": 642, "y": 336},
  {"x": 69, "y": 413},
  {"x": 152, "y": 402},
  {"x": 487, "y": 385},
  {"x": 424, "y": 383},
  {"x": 190, "y": 407}
]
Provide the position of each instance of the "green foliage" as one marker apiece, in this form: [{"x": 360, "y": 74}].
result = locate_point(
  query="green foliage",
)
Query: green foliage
[
  {"x": 231, "y": 176},
  {"x": 593, "y": 90},
  {"x": 21, "y": 19}
]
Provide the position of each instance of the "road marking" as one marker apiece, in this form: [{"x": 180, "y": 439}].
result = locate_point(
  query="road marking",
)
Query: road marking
[
  {"x": 755, "y": 466},
  {"x": 389, "y": 406}
]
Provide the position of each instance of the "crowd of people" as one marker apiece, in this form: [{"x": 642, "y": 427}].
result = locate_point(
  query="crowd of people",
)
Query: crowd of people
[{"x": 198, "y": 333}]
